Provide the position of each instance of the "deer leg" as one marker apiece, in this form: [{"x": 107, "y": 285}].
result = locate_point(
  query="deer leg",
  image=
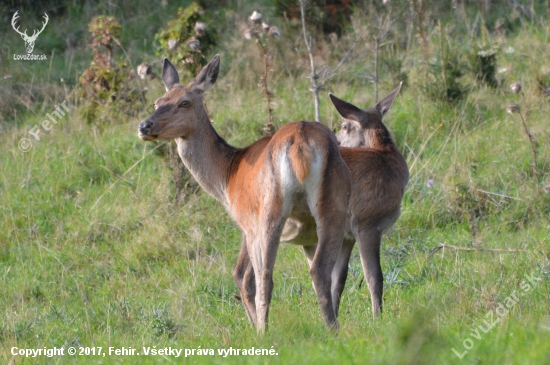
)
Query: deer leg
[
  {"x": 330, "y": 230},
  {"x": 340, "y": 274},
  {"x": 309, "y": 251},
  {"x": 243, "y": 273},
  {"x": 320, "y": 271},
  {"x": 369, "y": 248},
  {"x": 263, "y": 253}
]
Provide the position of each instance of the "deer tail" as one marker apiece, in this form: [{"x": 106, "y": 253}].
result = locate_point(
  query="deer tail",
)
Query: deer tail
[{"x": 301, "y": 157}]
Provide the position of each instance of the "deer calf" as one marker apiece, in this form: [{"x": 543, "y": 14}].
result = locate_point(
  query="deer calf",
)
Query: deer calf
[
  {"x": 296, "y": 172},
  {"x": 379, "y": 175}
]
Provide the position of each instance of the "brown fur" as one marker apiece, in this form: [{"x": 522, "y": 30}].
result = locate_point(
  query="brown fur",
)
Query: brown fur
[
  {"x": 300, "y": 156},
  {"x": 261, "y": 186},
  {"x": 379, "y": 175}
]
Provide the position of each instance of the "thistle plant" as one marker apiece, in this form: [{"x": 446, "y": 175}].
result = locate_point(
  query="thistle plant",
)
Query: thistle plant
[
  {"x": 186, "y": 39},
  {"x": 108, "y": 81},
  {"x": 261, "y": 32}
]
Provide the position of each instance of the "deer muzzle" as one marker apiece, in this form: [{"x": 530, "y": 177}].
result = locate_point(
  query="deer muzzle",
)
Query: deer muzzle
[{"x": 144, "y": 129}]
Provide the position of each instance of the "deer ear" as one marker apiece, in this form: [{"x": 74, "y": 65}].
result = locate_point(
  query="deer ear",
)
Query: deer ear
[
  {"x": 169, "y": 74},
  {"x": 208, "y": 75},
  {"x": 385, "y": 104},
  {"x": 346, "y": 110}
]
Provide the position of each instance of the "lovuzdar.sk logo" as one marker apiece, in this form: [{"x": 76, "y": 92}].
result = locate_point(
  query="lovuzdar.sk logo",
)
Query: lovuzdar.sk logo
[{"x": 29, "y": 40}]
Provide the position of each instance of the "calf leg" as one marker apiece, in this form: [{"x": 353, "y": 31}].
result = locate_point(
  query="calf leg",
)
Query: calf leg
[{"x": 369, "y": 248}]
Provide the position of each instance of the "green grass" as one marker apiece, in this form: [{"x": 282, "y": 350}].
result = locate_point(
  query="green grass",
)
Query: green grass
[{"x": 94, "y": 253}]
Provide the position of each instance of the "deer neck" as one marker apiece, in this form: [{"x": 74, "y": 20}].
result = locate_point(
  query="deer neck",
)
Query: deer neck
[
  {"x": 378, "y": 137},
  {"x": 208, "y": 157}
]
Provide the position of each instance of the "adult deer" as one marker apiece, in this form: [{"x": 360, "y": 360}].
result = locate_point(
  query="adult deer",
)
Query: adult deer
[
  {"x": 29, "y": 40},
  {"x": 296, "y": 172},
  {"x": 379, "y": 175}
]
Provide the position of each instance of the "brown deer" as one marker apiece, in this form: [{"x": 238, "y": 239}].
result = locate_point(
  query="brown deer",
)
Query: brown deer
[
  {"x": 379, "y": 175},
  {"x": 29, "y": 40},
  {"x": 296, "y": 172}
]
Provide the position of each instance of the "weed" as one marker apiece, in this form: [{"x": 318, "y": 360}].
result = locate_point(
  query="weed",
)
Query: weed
[
  {"x": 162, "y": 322},
  {"x": 486, "y": 67},
  {"x": 106, "y": 83},
  {"x": 186, "y": 39}
]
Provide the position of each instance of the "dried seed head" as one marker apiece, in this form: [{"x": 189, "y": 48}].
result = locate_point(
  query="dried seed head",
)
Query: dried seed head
[
  {"x": 514, "y": 108},
  {"x": 194, "y": 44},
  {"x": 249, "y": 33},
  {"x": 386, "y": 2},
  {"x": 256, "y": 18},
  {"x": 274, "y": 32},
  {"x": 145, "y": 71},
  {"x": 268, "y": 130},
  {"x": 199, "y": 28},
  {"x": 265, "y": 27},
  {"x": 172, "y": 44},
  {"x": 333, "y": 38},
  {"x": 516, "y": 87}
]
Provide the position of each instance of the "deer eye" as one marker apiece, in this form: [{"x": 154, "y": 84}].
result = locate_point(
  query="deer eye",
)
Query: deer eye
[{"x": 184, "y": 104}]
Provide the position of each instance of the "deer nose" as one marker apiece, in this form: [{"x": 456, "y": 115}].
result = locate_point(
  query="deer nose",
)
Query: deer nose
[{"x": 145, "y": 126}]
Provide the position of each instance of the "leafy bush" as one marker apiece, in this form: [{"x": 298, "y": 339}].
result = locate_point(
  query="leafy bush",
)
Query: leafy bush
[{"x": 186, "y": 39}]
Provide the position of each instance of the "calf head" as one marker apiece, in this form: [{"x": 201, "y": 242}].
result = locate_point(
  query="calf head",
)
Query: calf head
[{"x": 358, "y": 124}]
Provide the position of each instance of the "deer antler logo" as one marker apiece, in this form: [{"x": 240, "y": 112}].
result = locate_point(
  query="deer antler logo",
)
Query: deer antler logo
[{"x": 29, "y": 41}]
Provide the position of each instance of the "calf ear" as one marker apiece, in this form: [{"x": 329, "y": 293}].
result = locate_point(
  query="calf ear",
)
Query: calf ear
[
  {"x": 169, "y": 74},
  {"x": 385, "y": 104},
  {"x": 208, "y": 75},
  {"x": 346, "y": 110}
]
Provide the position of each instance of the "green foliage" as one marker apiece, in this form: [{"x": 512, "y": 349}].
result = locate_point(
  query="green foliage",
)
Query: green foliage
[
  {"x": 442, "y": 83},
  {"x": 486, "y": 67},
  {"x": 444, "y": 71},
  {"x": 186, "y": 39},
  {"x": 327, "y": 16},
  {"x": 105, "y": 30}
]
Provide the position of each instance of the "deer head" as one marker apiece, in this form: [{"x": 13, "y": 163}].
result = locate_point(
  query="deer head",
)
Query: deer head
[
  {"x": 179, "y": 111},
  {"x": 29, "y": 40},
  {"x": 361, "y": 127}
]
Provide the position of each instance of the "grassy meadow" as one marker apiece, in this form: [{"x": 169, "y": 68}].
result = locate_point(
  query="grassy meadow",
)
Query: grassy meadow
[{"x": 96, "y": 253}]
